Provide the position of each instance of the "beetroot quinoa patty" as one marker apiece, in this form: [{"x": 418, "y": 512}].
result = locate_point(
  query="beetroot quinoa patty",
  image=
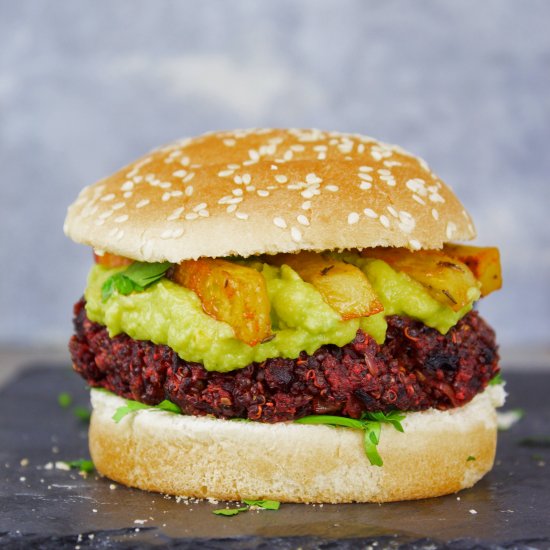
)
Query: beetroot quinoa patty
[{"x": 415, "y": 369}]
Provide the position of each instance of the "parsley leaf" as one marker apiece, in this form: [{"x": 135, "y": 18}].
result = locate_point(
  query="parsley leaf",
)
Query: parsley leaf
[
  {"x": 132, "y": 406},
  {"x": 64, "y": 399},
  {"x": 496, "y": 380},
  {"x": 230, "y": 511},
  {"x": 83, "y": 413},
  {"x": 265, "y": 504},
  {"x": 135, "y": 278},
  {"x": 370, "y": 423},
  {"x": 82, "y": 464}
]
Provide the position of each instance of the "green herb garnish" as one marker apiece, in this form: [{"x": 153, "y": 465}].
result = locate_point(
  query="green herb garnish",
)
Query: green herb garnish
[
  {"x": 64, "y": 399},
  {"x": 230, "y": 511},
  {"x": 83, "y": 413},
  {"x": 265, "y": 504},
  {"x": 135, "y": 278},
  {"x": 370, "y": 423},
  {"x": 132, "y": 406},
  {"x": 542, "y": 441},
  {"x": 470, "y": 458},
  {"x": 496, "y": 380},
  {"x": 82, "y": 464}
]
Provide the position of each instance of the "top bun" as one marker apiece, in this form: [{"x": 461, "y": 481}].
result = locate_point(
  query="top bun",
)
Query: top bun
[{"x": 266, "y": 191}]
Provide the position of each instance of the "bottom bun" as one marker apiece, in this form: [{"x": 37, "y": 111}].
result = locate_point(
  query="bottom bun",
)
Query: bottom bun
[{"x": 440, "y": 452}]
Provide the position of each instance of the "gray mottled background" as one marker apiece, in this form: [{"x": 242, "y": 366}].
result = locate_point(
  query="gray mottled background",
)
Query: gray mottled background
[{"x": 86, "y": 86}]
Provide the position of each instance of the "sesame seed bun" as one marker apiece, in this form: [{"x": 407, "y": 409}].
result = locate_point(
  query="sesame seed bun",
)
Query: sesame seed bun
[
  {"x": 440, "y": 452},
  {"x": 267, "y": 191}
]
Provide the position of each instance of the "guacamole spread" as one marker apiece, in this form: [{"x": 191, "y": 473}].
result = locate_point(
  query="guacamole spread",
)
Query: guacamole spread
[{"x": 170, "y": 314}]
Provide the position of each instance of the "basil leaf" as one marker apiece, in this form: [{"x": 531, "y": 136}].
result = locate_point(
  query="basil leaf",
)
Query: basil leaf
[
  {"x": 265, "y": 504},
  {"x": 135, "y": 278},
  {"x": 230, "y": 511}
]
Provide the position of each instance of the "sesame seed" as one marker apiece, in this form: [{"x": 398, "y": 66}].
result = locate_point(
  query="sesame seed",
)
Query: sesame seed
[
  {"x": 234, "y": 200},
  {"x": 418, "y": 199},
  {"x": 392, "y": 211},
  {"x": 204, "y": 213},
  {"x": 105, "y": 215},
  {"x": 364, "y": 185},
  {"x": 166, "y": 196},
  {"x": 238, "y": 179},
  {"x": 142, "y": 203},
  {"x": 108, "y": 197},
  {"x": 307, "y": 194},
  {"x": 306, "y": 205},
  {"x": 180, "y": 173},
  {"x": 175, "y": 214},
  {"x": 353, "y": 217},
  {"x": 450, "y": 230},
  {"x": 279, "y": 222},
  {"x": 118, "y": 205},
  {"x": 384, "y": 172},
  {"x": 435, "y": 214},
  {"x": 250, "y": 188},
  {"x": 384, "y": 221},
  {"x": 121, "y": 219},
  {"x": 254, "y": 155},
  {"x": 165, "y": 185},
  {"x": 189, "y": 190},
  {"x": 295, "y": 234},
  {"x": 231, "y": 208},
  {"x": 288, "y": 155},
  {"x": 370, "y": 213},
  {"x": 237, "y": 192},
  {"x": 322, "y": 155},
  {"x": 229, "y": 142},
  {"x": 189, "y": 177},
  {"x": 332, "y": 188},
  {"x": 241, "y": 215},
  {"x": 127, "y": 194},
  {"x": 99, "y": 221},
  {"x": 191, "y": 216},
  {"x": 274, "y": 167},
  {"x": 184, "y": 161},
  {"x": 302, "y": 219},
  {"x": 119, "y": 235},
  {"x": 127, "y": 186},
  {"x": 233, "y": 166},
  {"x": 365, "y": 177},
  {"x": 262, "y": 193},
  {"x": 246, "y": 179},
  {"x": 279, "y": 178},
  {"x": 414, "y": 244},
  {"x": 313, "y": 179},
  {"x": 365, "y": 169},
  {"x": 199, "y": 206},
  {"x": 225, "y": 173}
]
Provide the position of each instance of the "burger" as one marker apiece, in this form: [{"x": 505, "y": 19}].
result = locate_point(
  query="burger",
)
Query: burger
[{"x": 286, "y": 315}]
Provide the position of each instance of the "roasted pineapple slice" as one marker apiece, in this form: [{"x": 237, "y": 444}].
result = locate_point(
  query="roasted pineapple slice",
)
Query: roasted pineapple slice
[
  {"x": 343, "y": 286},
  {"x": 447, "y": 279},
  {"x": 484, "y": 262},
  {"x": 231, "y": 293}
]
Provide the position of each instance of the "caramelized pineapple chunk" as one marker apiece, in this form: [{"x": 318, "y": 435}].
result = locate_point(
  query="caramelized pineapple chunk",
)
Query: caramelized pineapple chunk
[
  {"x": 343, "y": 286},
  {"x": 447, "y": 279},
  {"x": 111, "y": 260},
  {"x": 231, "y": 293},
  {"x": 484, "y": 262}
]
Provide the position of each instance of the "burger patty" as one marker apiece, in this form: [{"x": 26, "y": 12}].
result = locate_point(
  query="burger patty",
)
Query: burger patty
[{"x": 415, "y": 369}]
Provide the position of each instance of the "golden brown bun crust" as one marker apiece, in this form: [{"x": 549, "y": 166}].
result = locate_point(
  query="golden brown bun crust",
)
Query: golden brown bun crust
[
  {"x": 267, "y": 191},
  {"x": 208, "y": 458}
]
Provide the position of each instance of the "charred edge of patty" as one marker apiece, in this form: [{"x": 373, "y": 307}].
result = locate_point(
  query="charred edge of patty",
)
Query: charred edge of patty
[{"x": 417, "y": 368}]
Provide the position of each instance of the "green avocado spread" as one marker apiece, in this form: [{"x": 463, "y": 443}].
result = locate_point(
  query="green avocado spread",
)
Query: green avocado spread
[{"x": 170, "y": 314}]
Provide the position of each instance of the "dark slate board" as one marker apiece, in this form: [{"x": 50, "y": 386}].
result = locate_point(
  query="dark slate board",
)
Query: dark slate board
[{"x": 51, "y": 508}]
